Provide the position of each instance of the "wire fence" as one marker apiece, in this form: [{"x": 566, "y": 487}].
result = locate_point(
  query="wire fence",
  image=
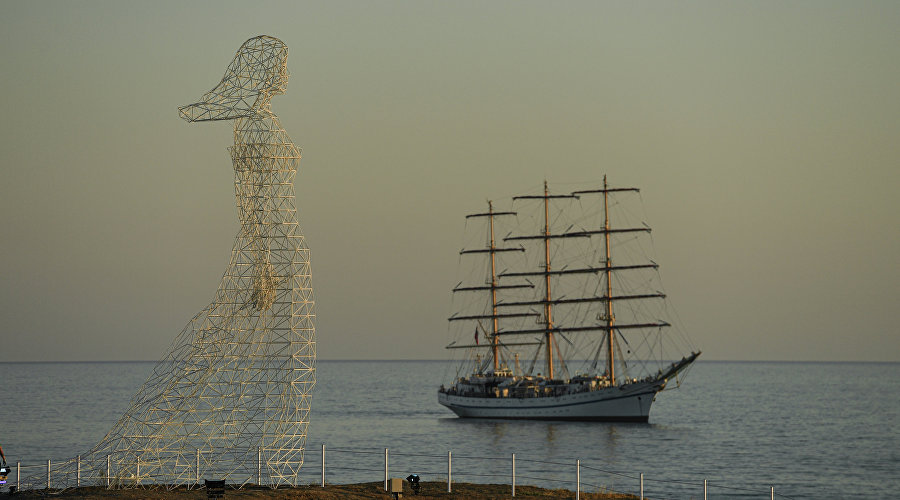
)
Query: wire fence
[{"x": 347, "y": 466}]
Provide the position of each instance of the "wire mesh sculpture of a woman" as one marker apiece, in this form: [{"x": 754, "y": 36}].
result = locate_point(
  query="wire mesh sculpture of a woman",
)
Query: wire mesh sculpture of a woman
[{"x": 232, "y": 398}]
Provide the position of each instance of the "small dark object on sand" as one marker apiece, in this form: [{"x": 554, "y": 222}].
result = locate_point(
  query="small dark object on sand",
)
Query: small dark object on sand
[{"x": 414, "y": 483}]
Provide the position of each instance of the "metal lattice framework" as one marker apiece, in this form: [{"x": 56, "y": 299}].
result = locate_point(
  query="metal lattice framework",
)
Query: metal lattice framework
[{"x": 232, "y": 398}]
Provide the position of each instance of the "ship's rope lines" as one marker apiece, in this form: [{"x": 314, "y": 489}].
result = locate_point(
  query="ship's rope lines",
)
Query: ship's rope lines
[
  {"x": 562, "y": 359},
  {"x": 537, "y": 353},
  {"x": 596, "y": 212},
  {"x": 650, "y": 310},
  {"x": 509, "y": 354},
  {"x": 471, "y": 271},
  {"x": 623, "y": 361},
  {"x": 599, "y": 351},
  {"x": 670, "y": 310}
]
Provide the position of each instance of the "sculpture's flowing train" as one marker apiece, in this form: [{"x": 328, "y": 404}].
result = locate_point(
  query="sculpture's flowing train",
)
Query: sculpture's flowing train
[{"x": 232, "y": 398}]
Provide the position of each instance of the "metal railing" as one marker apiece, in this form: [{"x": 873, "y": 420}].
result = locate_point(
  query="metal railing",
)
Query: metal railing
[{"x": 347, "y": 466}]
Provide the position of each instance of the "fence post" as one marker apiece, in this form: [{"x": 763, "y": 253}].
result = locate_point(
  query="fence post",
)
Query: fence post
[
  {"x": 449, "y": 471},
  {"x": 259, "y": 465},
  {"x": 385, "y": 469},
  {"x": 48, "y": 473},
  {"x": 198, "y": 466},
  {"x": 323, "y": 465},
  {"x": 642, "y": 486},
  {"x": 78, "y": 475},
  {"x": 137, "y": 479},
  {"x": 704, "y": 489},
  {"x": 107, "y": 472},
  {"x": 18, "y": 475},
  {"x": 577, "y": 479},
  {"x": 514, "y": 474},
  {"x": 773, "y": 493}
]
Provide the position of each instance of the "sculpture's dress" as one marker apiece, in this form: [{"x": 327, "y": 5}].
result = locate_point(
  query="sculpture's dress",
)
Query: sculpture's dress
[{"x": 231, "y": 400}]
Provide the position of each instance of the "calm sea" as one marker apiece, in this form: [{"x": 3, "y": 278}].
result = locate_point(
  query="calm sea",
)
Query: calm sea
[{"x": 811, "y": 430}]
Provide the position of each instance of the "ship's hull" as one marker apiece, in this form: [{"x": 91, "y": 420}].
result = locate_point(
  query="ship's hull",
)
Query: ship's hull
[{"x": 629, "y": 403}]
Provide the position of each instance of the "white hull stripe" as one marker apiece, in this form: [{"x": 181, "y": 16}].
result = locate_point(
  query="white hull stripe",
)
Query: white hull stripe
[{"x": 448, "y": 403}]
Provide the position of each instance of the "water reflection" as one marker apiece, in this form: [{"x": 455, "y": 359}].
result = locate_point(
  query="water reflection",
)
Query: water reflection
[
  {"x": 609, "y": 443},
  {"x": 504, "y": 436},
  {"x": 498, "y": 431}
]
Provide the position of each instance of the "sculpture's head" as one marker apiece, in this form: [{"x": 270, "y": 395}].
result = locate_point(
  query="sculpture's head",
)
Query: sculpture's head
[{"x": 258, "y": 71}]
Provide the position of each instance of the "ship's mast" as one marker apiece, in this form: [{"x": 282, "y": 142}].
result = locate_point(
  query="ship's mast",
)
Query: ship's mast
[
  {"x": 547, "y": 273},
  {"x": 610, "y": 319},
  {"x": 495, "y": 325},
  {"x": 492, "y": 286},
  {"x": 607, "y": 324},
  {"x": 548, "y": 307}
]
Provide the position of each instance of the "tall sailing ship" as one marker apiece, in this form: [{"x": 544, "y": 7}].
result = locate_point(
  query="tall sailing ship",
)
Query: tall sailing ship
[{"x": 551, "y": 325}]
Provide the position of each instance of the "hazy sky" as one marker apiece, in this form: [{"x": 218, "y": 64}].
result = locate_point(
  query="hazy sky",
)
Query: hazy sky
[{"x": 765, "y": 137}]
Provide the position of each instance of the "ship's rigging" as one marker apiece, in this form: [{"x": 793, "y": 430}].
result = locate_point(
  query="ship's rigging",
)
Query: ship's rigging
[{"x": 543, "y": 302}]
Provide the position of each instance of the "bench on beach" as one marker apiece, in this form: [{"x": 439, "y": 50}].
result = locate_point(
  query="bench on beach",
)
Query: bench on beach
[{"x": 215, "y": 488}]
